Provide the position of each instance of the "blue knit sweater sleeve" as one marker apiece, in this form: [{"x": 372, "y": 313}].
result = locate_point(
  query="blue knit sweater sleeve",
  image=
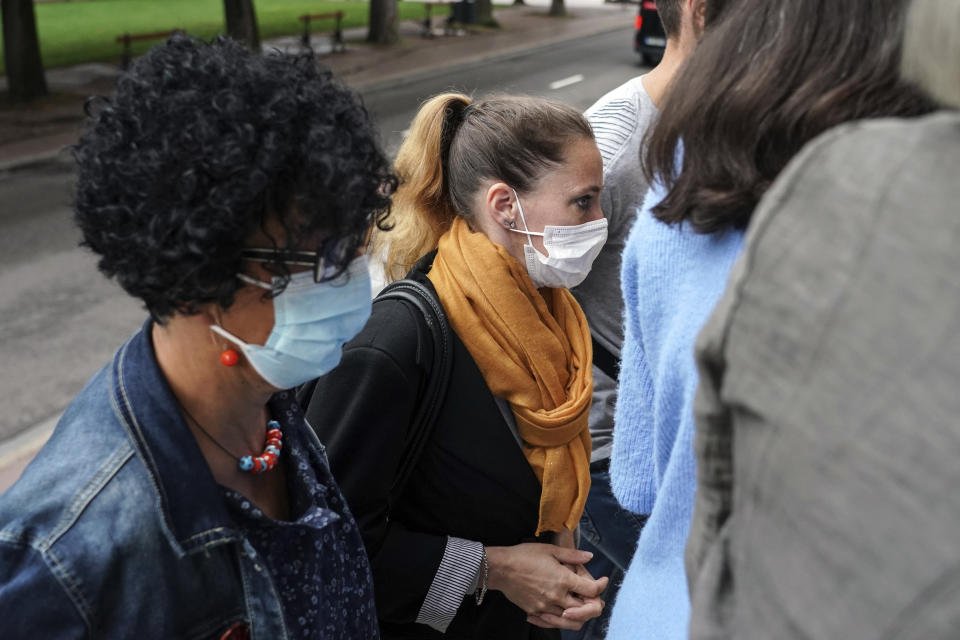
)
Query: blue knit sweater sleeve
[
  {"x": 632, "y": 474},
  {"x": 671, "y": 277}
]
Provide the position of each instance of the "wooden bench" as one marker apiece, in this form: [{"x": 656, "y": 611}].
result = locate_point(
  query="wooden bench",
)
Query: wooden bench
[
  {"x": 127, "y": 38},
  {"x": 338, "y": 44}
]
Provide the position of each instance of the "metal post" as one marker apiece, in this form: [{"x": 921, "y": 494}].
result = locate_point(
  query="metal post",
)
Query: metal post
[
  {"x": 306, "y": 33},
  {"x": 427, "y": 22},
  {"x": 338, "y": 44},
  {"x": 126, "y": 51}
]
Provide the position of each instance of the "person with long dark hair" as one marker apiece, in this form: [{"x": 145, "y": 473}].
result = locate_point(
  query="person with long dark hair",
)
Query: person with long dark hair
[
  {"x": 498, "y": 212},
  {"x": 765, "y": 79},
  {"x": 827, "y": 413},
  {"x": 182, "y": 494},
  {"x": 620, "y": 120}
]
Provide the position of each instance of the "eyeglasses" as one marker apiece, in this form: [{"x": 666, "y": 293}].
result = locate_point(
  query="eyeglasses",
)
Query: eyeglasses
[{"x": 314, "y": 259}]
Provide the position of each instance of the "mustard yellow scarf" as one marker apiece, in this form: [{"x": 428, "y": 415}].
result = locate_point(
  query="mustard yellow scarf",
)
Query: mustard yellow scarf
[{"x": 534, "y": 351}]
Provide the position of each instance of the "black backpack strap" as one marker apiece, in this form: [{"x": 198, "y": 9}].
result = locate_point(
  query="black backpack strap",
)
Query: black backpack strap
[
  {"x": 604, "y": 360},
  {"x": 422, "y": 301}
]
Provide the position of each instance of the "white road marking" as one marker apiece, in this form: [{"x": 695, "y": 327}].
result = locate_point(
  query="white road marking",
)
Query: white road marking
[{"x": 566, "y": 82}]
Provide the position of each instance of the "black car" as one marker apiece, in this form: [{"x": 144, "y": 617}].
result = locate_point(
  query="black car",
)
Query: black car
[{"x": 650, "y": 39}]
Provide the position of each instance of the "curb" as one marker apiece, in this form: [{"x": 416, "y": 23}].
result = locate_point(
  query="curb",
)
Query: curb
[
  {"x": 39, "y": 151},
  {"x": 33, "y": 160}
]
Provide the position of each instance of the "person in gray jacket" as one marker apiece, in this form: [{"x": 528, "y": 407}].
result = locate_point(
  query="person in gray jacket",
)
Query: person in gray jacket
[{"x": 828, "y": 433}]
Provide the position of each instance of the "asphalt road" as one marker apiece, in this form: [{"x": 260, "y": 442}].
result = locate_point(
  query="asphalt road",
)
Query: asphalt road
[
  {"x": 60, "y": 320},
  {"x": 582, "y": 70}
]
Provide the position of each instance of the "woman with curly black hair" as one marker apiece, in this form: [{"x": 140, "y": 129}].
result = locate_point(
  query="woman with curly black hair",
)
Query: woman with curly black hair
[{"x": 183, "y": 494}]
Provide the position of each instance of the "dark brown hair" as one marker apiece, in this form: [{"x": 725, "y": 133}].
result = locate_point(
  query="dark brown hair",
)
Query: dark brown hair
[
  {"x": 765, "y": 79},
  {"x": 454, "y": 145},
  {"x": 670, "y": 14}
]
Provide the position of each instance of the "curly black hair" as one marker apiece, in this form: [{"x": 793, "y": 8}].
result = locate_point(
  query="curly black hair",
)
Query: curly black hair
[{"x": 199, "y": 146}]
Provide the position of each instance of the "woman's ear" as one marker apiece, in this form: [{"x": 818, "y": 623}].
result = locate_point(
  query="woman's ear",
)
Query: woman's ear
[
  {"x": 500, "y": 206},
  {"x": 698, "y": 11}
]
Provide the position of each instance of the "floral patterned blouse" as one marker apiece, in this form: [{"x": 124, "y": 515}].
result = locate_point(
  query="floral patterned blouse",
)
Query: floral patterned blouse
[{"x": 316, "y": 559}]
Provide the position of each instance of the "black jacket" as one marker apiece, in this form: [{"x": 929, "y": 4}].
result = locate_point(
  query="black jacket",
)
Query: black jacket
[{"x": 471, "y": 481}]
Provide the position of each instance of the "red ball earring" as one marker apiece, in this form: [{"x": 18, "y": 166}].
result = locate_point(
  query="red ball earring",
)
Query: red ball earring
[{"x": 229, "y": 358}]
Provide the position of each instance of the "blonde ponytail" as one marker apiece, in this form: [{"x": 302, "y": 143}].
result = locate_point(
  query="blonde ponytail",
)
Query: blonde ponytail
[
  {"x": 454, "y": 145},
  {"x": 422, "y": 208}
]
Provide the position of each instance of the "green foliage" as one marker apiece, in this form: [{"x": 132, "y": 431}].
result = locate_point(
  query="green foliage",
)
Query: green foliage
[{"x": 86, "y": 30}]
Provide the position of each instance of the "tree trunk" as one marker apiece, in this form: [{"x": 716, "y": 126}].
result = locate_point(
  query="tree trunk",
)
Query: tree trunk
[
  {"x": 519, "y": 2},
  {"x": 485, "y": 14},
  {"x": 21, "y": 51},
  {"x": 241, "y": 19},
  {"x": 383, "y": 22},
  {"x": 557, "y": 9}
]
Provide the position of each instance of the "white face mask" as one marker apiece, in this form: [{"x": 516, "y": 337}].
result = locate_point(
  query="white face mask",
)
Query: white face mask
[{"x": 572, "y": 251}]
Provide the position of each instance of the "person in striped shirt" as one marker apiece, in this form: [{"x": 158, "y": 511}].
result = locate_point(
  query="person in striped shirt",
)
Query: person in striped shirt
[{"x": 620, "y": 120}]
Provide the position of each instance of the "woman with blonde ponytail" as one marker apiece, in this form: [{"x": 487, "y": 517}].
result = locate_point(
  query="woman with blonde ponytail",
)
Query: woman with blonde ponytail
[{"x": 497, "y": 215}]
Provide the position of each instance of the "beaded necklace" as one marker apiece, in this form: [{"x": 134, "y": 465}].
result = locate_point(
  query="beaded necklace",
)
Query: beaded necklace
[{"x": 266, "y": 461}]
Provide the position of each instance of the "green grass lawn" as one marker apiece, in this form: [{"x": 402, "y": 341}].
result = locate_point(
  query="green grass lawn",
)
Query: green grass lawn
[{"x": 86, "y": 31}]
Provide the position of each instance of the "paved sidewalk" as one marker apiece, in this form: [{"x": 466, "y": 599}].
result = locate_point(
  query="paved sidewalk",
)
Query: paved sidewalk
[{"x": 39, "y": 134}]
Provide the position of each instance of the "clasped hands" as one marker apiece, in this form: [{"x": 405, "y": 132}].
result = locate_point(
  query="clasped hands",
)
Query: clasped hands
[{"x": 547, "y": 581}]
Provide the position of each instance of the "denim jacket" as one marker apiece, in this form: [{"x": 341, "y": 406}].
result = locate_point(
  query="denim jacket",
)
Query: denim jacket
[{"x": 118, "y": 529}]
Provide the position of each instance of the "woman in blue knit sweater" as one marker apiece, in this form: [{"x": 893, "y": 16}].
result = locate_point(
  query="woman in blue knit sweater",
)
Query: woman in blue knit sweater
[{"x": 797, "y": 72}]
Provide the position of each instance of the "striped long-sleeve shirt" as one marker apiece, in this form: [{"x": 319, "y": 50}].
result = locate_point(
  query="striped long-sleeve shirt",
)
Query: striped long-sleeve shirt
[{"x": 620, "y": 120}]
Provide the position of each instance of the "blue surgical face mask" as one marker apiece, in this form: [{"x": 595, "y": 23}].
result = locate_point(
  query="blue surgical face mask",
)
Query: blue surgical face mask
[{"x": 312, "y": 321}]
